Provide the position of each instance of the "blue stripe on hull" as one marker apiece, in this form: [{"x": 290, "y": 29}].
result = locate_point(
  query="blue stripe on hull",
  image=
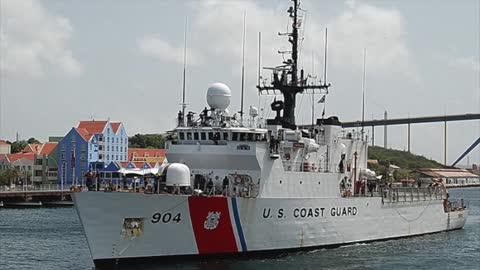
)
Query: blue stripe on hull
[{"x": 238, "y": 224}]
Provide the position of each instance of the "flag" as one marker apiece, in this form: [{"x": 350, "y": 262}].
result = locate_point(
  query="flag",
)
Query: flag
[{"x": 322, "y": 100}]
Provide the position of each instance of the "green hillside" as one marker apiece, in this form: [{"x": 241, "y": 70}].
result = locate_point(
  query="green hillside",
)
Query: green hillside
[{"x": 405, "y": 160}]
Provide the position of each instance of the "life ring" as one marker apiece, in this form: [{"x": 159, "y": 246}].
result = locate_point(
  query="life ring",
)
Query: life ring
[{"x": 237, "y": 179}]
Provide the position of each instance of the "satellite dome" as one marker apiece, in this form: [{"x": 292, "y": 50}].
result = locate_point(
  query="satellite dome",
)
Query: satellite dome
[
  {"x": 178, "y": 175},
  {"x": 218, "y": 96},
  {"x": 253, "y": 111}
]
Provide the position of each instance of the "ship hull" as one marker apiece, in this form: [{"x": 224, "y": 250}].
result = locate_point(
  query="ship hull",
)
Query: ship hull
[{"x": 124, "y": 227}]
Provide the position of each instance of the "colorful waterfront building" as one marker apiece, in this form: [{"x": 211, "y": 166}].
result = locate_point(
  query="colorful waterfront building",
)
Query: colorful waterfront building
[
  {"x": 146, "y": 155},
  {"x": 5, "y": 147},
  {"x": 92, "y": 145},
  {"x": 23, "y": 162}
]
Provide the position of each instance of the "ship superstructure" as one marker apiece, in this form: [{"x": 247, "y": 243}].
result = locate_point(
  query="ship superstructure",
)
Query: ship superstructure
[{"x": 232, "y": 188}]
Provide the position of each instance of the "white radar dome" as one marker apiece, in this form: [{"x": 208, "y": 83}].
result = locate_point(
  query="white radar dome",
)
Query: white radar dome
[
  {"x": 218, "y": 96},
  {"x": 253, "y": 111},
  {"x": 178, "y": 175}
]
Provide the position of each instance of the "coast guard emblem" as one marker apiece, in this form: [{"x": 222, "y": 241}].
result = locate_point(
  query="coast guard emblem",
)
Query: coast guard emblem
[{"x": 211, "y": 222}]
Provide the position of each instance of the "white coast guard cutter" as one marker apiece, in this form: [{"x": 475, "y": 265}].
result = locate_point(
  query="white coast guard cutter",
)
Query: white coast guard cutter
[{"x": 231, "y": 189}]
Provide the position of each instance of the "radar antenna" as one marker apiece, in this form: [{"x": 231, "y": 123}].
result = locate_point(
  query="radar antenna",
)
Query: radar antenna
[{"x": 285, "y": 79}]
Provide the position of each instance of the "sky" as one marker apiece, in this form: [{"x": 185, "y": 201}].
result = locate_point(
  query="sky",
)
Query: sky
[{"x": 66, "y": 61}]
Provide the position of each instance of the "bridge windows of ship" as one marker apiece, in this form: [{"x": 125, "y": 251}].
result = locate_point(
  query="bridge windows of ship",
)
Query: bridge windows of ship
[{"x": 215, "y": 137}]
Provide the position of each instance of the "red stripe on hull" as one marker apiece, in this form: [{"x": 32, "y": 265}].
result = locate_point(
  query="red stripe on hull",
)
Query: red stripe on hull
[{"x": 212, "y": 225}]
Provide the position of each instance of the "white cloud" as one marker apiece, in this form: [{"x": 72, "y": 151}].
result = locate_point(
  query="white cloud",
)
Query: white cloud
[
  {"x": 381, "y": 31},
  {"x": 31, "y": 39},
  {"x": 466, "y": 62},
  {"x": 218, "y": 35},
  {"x": 163, "y": 50}
]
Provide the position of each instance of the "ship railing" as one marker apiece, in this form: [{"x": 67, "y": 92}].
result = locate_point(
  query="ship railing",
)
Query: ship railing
[
  {"x": 298, "y": 166},
  {"x": 412, "y": 194},
  {"x": 208, "y": 142},
  {"x": 363, "y": 193}
]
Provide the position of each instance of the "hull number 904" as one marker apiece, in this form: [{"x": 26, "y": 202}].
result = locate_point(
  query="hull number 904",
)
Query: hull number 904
[{"x": 166, "y": 217}]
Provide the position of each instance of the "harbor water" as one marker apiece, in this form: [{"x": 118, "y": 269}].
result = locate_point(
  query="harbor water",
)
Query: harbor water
[{"x": 52, "y": 238}]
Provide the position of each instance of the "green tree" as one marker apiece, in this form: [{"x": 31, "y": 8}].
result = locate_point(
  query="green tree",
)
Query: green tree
[
  {"x": 147, "y": 141},
  {"x": 33, "y": 140},
  {"x": 18, "y": 146},
  {"x": 9, "y": 175}
]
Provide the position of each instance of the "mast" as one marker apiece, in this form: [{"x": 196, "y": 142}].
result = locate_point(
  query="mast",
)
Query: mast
[
  {"x": 363, "y": 87},
  {"x": 243, "y": 66},
  {"x": 285, "y": 77},
  {"x": 184, "y": 105}
]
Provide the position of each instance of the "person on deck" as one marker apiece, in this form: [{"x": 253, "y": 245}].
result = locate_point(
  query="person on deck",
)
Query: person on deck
[
  {"x": 97, "y": 183},
  {"x": 225, "y": 185},
  {"x": 89, "y": 181}
]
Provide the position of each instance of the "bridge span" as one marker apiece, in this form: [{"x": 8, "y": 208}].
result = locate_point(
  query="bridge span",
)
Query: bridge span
[{"x": 417, "y": 120}]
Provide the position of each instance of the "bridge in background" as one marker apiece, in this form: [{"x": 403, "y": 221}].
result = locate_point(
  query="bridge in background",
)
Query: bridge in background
[{"x": 417, "y": 120}]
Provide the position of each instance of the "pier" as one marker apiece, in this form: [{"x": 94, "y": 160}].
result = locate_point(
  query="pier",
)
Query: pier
[{"x": 33, "y": 198}]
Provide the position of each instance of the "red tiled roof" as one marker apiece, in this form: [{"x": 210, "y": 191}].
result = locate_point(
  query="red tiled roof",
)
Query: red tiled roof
[
  {"x": 17, "y": 156},
  {"x": 2, "y": 142},
  {"x": 93, "y": 127},
  {"x": 123, "y": 164},
  {"x": 32, "y": 148},
  {"x": 47, "y": 148},
  {"x": 447, "y": 173},
  {"x": 138, "y": 164},
  {"x": 115, "y": 126},
  {"x": 141, "y": 152},
  {"x": 84, "y": 133}
]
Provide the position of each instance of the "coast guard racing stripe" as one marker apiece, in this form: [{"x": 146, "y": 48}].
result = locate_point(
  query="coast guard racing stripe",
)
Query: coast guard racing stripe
[{"x": 212, "y": 225}]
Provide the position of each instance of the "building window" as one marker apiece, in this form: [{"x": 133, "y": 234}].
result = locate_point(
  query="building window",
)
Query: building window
[
  {"x": 181, "y": 136},
  {"x": 203, "y": 136},
  {"x": 195, "y": 136},
  {"x": 100, "y": 157}
]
